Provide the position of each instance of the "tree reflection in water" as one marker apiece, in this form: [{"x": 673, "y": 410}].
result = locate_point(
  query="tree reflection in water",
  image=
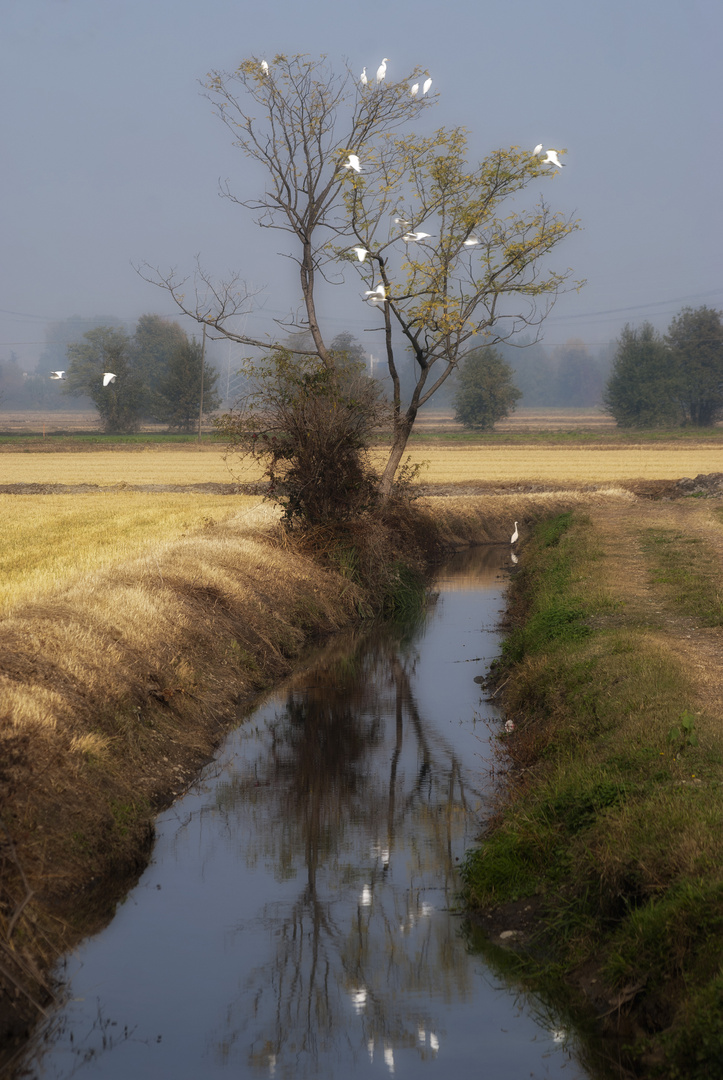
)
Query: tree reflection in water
[{"x": 354, "y": 793}]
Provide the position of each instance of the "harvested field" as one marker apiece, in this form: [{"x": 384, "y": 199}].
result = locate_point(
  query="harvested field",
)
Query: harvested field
[
  {"x": 463, "y": 465},
  {"x": 52, "y": 541}
]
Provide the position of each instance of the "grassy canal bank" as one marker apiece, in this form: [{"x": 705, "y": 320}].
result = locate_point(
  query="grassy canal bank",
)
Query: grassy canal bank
[{"x": 605, "y": 858}]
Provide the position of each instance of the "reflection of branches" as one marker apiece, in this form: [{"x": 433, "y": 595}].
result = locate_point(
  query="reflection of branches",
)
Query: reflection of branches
[{"x": 336, "y": 791}]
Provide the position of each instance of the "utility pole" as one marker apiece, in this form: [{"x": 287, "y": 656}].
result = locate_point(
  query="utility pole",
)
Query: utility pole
[{"x": 203, "y": 363}]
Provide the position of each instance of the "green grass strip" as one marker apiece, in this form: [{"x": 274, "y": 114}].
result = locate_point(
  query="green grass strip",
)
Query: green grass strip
[{"x": 615, "y": 823}]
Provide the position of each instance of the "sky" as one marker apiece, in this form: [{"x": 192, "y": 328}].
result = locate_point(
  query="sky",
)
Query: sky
[{"x": 111, "y": 155}]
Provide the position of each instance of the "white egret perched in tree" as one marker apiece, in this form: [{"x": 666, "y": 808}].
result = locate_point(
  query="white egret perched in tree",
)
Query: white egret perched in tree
[
  {"x": 363, "y": 77},
  {"x": 552, "y": 159},
  {"x": 410, "y": 236},
  {"x": 379, "y": 294},
  {"x": 515, "y": 535},
  {"x": 361, "y": 253},
  {"x": 382, "y": 69},
  {"x": 352, "y": 162},
  {"x": 108, "y": 377},
  {"x": 415, "y": 90},
  {"x": 57, "y": 374},
  {"x": 264, "y": 67},
  {"x": 537, "y": 149},
  {"x": 425, "y": 88}
]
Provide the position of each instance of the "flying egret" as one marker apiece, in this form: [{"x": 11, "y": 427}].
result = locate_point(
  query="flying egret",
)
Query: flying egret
[
  {"x": 380, "y": 293},
  {"x": 515, "y": 535},
  {"x": 361, "y": 253},
  {"x": 264, "y": 67},
  {"x": 363, "y": 77},
  {"x": 471, "y": 241},
  {"x": 108, "y": 377},
  {"x": 415, "y": 90},
  {"x": 382, "y": 69},
  {"x": 425, "y": 88},
  {"x": 552, "y": 159},
  {"x": 352, "y": 162},
  {"x": 402, "y": 221},
  {"x": 57, "y": 374},
  {"x": 410, "y": 236},
  {"x": 537, "y": 149}
]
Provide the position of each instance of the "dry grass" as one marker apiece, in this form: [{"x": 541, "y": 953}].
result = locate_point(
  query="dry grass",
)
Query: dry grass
[
  {"x": 150, "y": 465},
  {"x": 564, "y": 464},
  {"x": 442, "y": 465},
  {"x": 50, "y": 541}
]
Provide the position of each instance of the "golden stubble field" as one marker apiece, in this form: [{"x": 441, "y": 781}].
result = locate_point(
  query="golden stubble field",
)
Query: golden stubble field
[
  {"x": 50, "y": 540},
  {"x": 441, "y": 465}
]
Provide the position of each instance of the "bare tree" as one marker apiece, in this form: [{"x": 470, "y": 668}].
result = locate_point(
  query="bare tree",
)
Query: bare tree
[{"x": 443, "y": 264}]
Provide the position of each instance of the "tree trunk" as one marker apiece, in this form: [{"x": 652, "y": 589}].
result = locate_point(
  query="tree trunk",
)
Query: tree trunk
[{"x": 402, "y": 431}]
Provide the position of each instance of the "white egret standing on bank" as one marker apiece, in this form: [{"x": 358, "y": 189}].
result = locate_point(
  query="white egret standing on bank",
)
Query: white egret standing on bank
[{"x": 515, "y": 535}]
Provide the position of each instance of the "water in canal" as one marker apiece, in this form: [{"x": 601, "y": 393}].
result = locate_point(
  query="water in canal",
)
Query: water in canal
[{"x": 295, "y": 921}]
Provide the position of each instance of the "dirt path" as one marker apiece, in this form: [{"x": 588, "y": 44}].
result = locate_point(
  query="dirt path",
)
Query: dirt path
[{"x": 621, "y": 529}]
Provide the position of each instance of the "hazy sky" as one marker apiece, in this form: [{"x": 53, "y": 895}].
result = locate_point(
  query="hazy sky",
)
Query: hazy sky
[{"x": 111, "y": 155}]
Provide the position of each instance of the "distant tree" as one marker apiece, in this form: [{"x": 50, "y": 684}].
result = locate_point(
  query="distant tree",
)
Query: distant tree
[
  {"x": 485, "y": 390},
  {"x": 11, "y": 381},
  {"x": 579, "y": 380},
  {"x": 532, "y": 371},
  {"x": 106, "y": 349},
  {"x": 641, "y": 390},
  {"x": 176, "y": 400},
  {"x": 695, "y": 338},
  {"x": 155, "y": 341},
  {"x": 64, "y": 332}
]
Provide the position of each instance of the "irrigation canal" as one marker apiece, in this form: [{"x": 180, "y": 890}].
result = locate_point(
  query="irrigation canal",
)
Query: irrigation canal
[{"x": 296, "y": 920}]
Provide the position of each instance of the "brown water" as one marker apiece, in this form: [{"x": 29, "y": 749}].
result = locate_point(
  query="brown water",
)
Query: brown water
[{"x": 296, "y": 919}]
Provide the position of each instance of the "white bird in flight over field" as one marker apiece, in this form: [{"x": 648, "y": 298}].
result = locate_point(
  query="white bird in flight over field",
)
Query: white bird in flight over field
[
  {"x": 352, "y": 162},
  {"x": 552, "y": 159},
  {"x": 363, "y": 77},
  {"x": 415, "y": 90},
  {"x": 425, "y": 88},
  {"x": 410, "y": 236},
  {"x": 264, "y": 67},
  {"x": 361, "y": 253},
  {"x": 382, "y": 69},
  {"x": 515, "y": 535},
  {"x": 57, "y": 374},
  {"x": 108, "y": 377}
]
